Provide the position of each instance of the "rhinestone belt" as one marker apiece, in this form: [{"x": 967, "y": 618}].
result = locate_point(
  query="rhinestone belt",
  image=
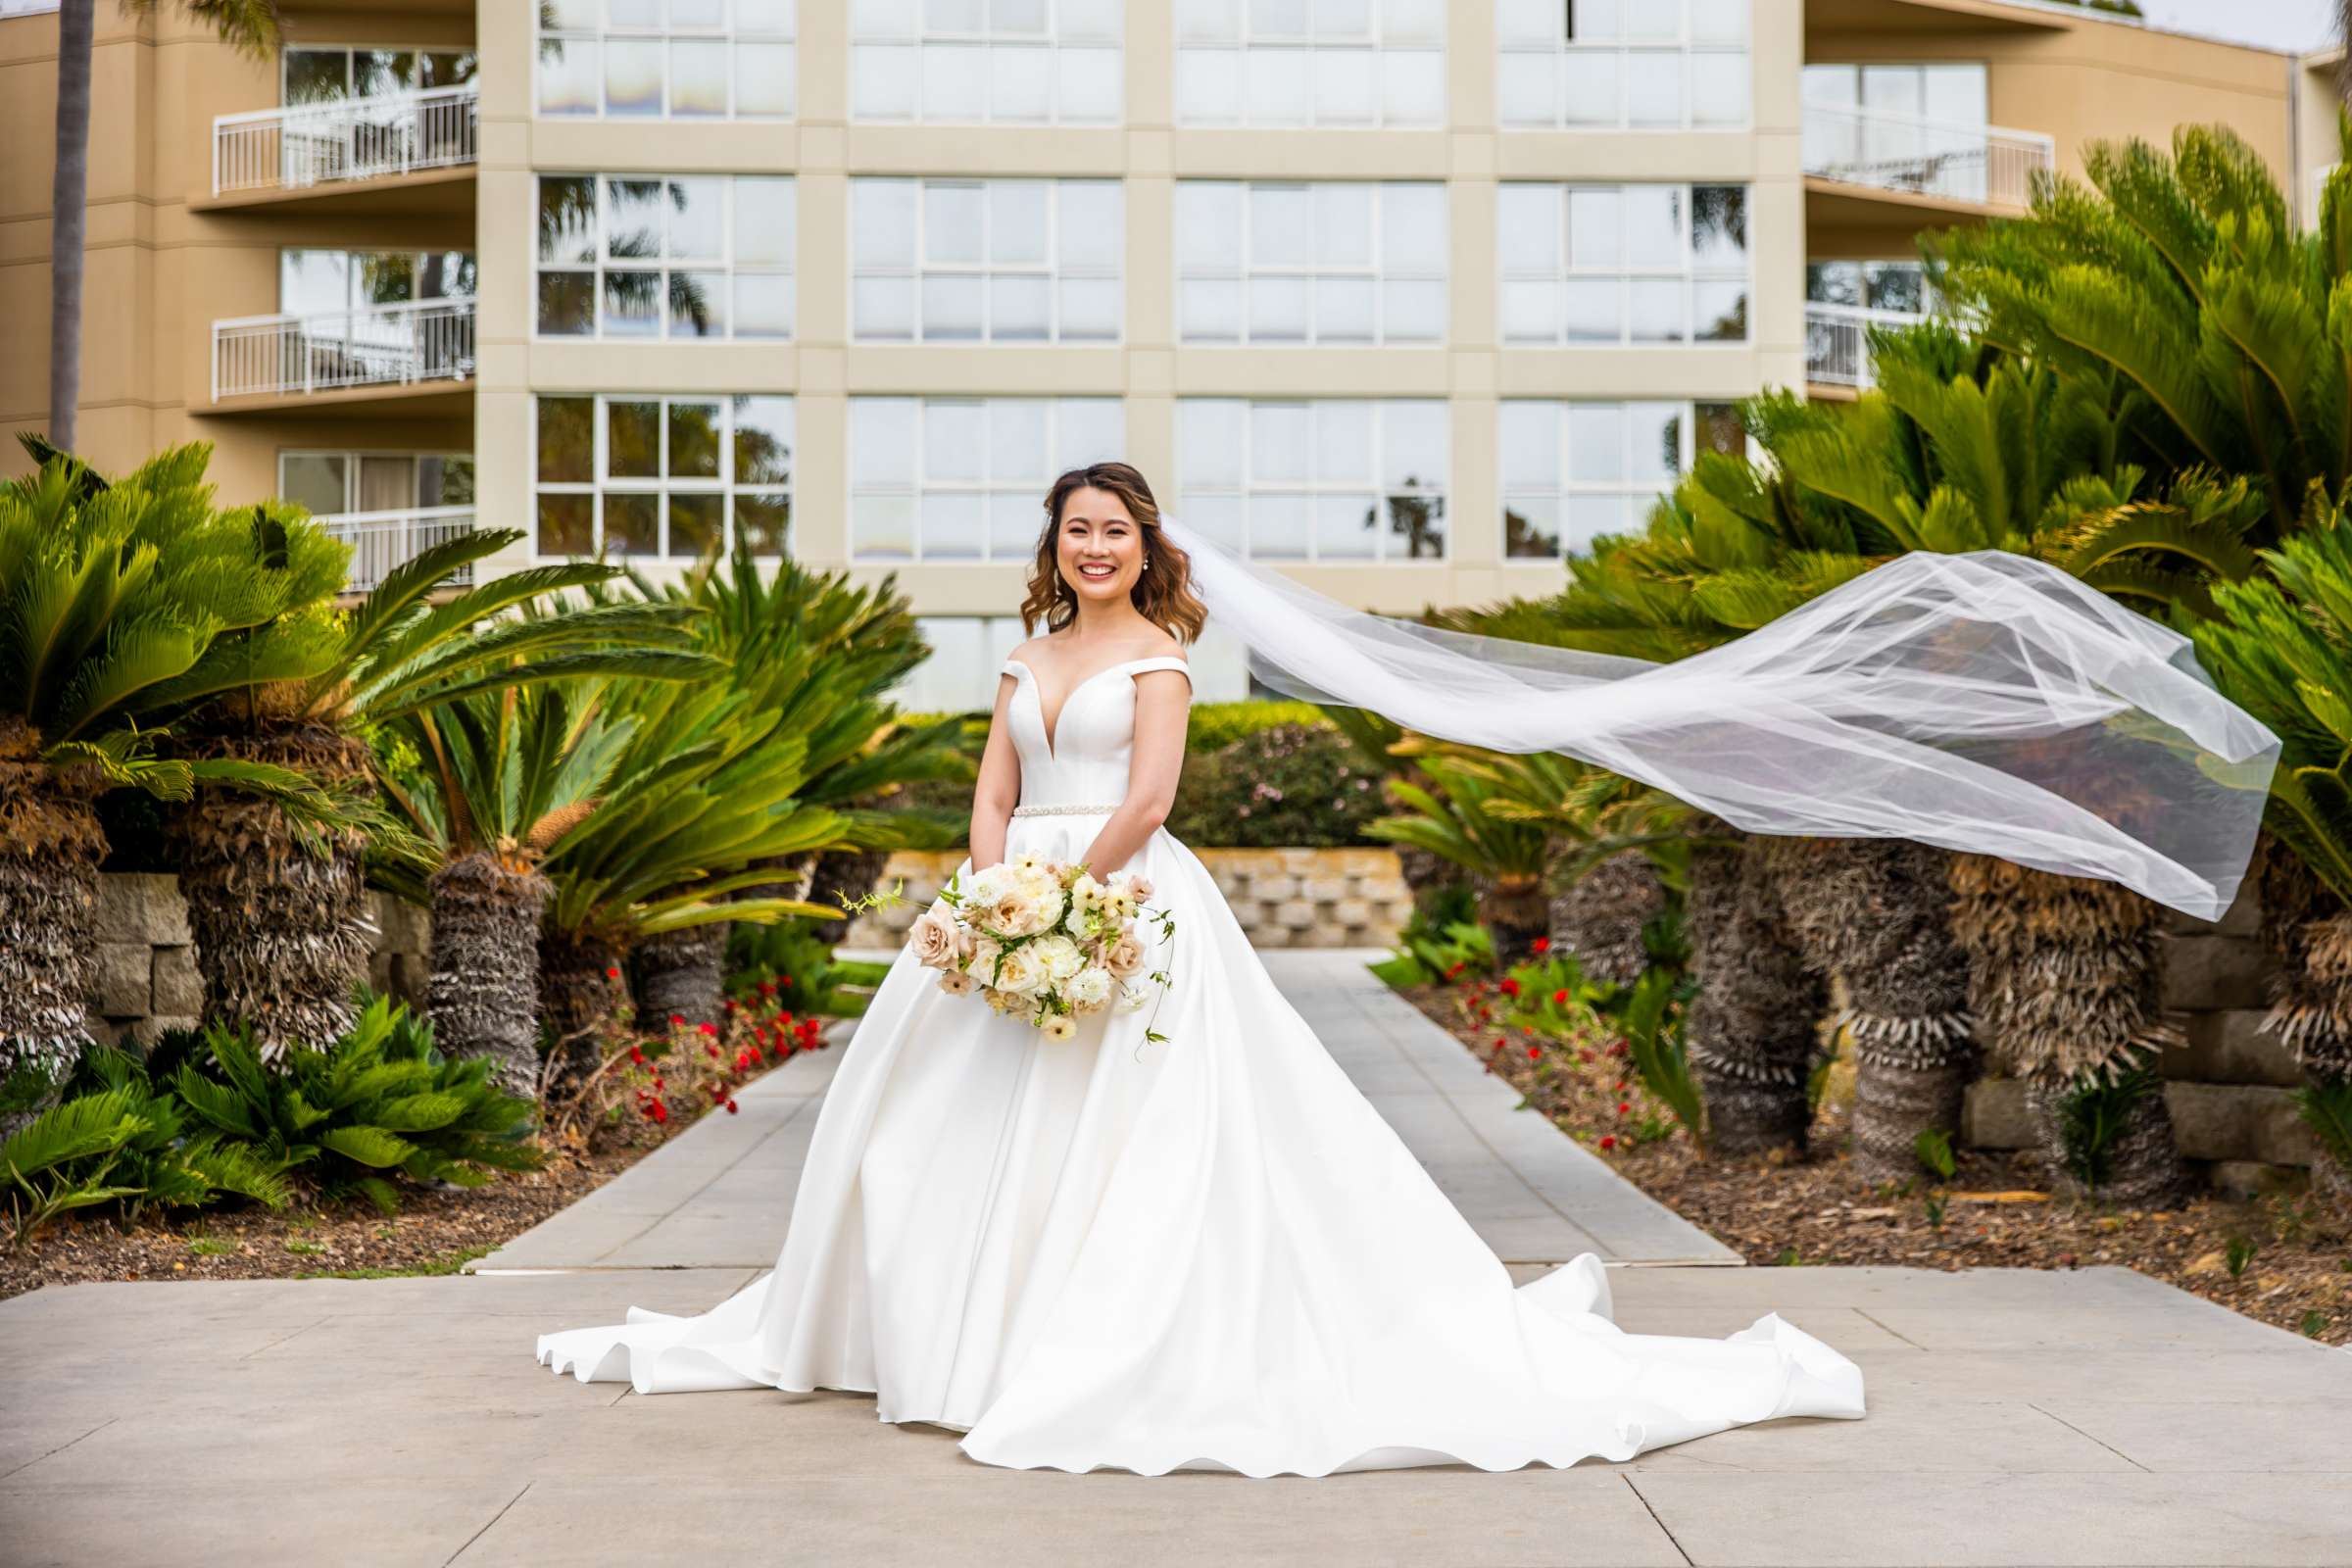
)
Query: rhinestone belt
[{"x": 1063, "y": 811}]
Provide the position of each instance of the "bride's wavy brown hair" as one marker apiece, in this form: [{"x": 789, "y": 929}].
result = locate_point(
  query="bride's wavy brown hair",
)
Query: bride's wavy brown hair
[{"x": 1163, "y": 593}]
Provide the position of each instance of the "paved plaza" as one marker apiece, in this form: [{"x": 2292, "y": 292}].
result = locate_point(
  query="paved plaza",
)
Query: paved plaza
[{"x": 2085, "y": 1417}]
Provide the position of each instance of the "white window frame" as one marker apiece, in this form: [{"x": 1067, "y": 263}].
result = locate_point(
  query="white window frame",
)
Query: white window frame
[
  {"x": 1683, "y": 44},
  {"x": 988, "y": 486},
  {"x": 872, "y": 34},
  {"x": 1566, "y": 487},
  {"x": 920, "y": 268},
  {"x": 1689, "y": 272},
  {"x": 1250, "y": 493},
  {"x": 726, "y": 266},
  {"x": 1246, "y": 272},
  {"x": 1375, "y": 40},
  {"x": 571, "y": 30},
  {"x": 599, "y": 484}
]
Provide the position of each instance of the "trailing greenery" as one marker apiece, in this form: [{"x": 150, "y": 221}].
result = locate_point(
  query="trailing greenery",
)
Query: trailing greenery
[{"x": 380, "y": 1101}]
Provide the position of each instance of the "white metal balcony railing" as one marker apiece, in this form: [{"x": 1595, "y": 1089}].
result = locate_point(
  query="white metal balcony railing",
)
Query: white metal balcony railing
[
  {"x": 377, "y": 345},
  {"x": 301, "y": 145},
  {"x": 1837, "y": 342},
  {"x": 381, "y": 541},
  {"x": 1924, "y": 157}
]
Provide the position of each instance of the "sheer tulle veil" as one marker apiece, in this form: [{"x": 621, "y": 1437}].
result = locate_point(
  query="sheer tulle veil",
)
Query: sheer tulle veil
[{"x": 1984, "y": 703}]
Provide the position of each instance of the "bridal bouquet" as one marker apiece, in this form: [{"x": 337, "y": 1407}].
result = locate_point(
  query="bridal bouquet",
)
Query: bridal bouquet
[{"x": 1042, "y": 940}]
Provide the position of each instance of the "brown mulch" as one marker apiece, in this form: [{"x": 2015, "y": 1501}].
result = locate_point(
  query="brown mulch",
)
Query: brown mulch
[
  {"x": 2295, "y": 1255},
  {"x": 437, "y": 1231}
]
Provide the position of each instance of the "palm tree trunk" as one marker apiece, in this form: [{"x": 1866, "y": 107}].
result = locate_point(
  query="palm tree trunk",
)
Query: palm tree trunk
[
  {"x": 1876, "y": 914},
  {"x": 683, "y": 974},
  {"x": 50, "y": 846},
  {"x": 578, "y": 996},
  {"x": 69, "y": 206},
  {"x": 282, "y": 927},
  {"x": 2308, "y": 930},
  {"x": 1599, "y": 918},
  {"x": 2066, "y": 974},
  {"x": 1755, "y": 1026},
  {"x": 483, "y": 994},
  {"x": 1516, "y": 911}
]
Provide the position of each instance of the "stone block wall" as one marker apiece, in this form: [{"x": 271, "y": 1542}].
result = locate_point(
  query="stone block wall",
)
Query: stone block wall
[
  {"x": 1324, "y": 897},
  {"x": 2228, "y": 1085},
  {"x": 146, "y": 981}
]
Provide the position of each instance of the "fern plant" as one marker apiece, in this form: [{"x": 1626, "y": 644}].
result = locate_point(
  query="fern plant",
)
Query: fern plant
[{"x": 380, "y": 1101}]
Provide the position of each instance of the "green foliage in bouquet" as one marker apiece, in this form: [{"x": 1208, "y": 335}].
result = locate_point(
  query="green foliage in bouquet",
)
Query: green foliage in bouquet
[{"x": 379, "y": 1100}]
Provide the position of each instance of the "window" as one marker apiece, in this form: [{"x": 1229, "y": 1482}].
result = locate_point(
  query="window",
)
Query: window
[
  {"x": 313, "y": 75},
  {"x": 959, "y": 677},
  {"x": 1609, "y": 65},
  {"x": 331, "y": 484},
  {"x": 1912, "y": 128},
  {"x": 318, "y": 282},
  {"x": 1573, "y": 472},
  {"x": 667, "y": 59},
  {"x": 626, "y": 474},
  {"x": 1340, "y": 479},
  {"x": 965, "y": 478},
  {"x": 1623, "y": 264},
  {"x": 1901, "y": 288},
  {"x": 987, "y": 61},
  {"x": 651, "y": 256},
  {"x": 986, "y": 261},
  {"x": 1323, "y": 62},
  {"x": 1332, "y": 261}
]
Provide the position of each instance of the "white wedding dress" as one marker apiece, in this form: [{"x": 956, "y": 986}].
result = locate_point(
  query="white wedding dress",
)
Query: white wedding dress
[{"x": 1208, "y": 1252}]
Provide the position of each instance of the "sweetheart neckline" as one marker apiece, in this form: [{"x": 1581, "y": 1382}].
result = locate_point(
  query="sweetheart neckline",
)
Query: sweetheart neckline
[{"x": 1037, "y": 694}]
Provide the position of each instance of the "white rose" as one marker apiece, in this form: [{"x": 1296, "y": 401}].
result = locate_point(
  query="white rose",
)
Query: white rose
[
  {"x": 1059, "y": 956},
  {"x": 1020, "y": 973},
  {"x": 1058, "y": 1027},
  {"x": 1087, "y": 989},
  {"x": 985, "y": 888}
]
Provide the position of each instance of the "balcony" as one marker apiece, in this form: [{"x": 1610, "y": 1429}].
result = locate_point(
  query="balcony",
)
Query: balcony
[
  {"x": 1966, "y": 169},
  {"x": 410, "y": 151},
  {"x": 417, "y": 349},
  {"x": 383, "y": 541},
  {"x": 1838, "y": 344}
]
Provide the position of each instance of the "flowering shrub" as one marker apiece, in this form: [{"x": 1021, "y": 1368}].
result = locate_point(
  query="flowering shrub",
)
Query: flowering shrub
[
  {"x": 679, "y": 1071},
  {"x": 1297, "y": 785}
]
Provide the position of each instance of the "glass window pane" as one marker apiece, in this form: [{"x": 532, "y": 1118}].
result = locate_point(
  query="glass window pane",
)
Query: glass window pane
[
  {"x": 1281, "y": 526},
  {"x": 1834, "y": 282},
  {"x": 696, "y": 215},
  {"x": 1412, "y": 87},
  {"x": 698, "y": 78},
  {"x": 1718, "y": 429},
  {"x": 1017, "y": 438},
  {"x": 1345, "y": 527},
  {"x": 1653, "y": 86},
  {"x": 1414, "y": 310},
  {"x": 955, "y": 83},
  {"x": 1020, "y": 84},
  {"x": 763, "y": 524},
  {"x": 1017, "y": 526},
  {"x": 1416, "y": 526},
  {"x": 1210, "y": 441},
  {"x": 882, "y": 526},
  {"x": 633, "y": 217},
  {"x": 882, "y": 441},
  {"x": 1654, "y": 311},
  {"x": 763, "y": 78},
  {"x": 566, "y": 524},
  {"x": 1208, "y": 86},
  {"x": 633, "y": 303},
  {"x": 1087, "y": 84},
  {"x": 1342, "y": 222},
  {"x": 632, "y": 440},
  {"x": 1343, "y": 434},
  {"x": 951, "y": 310},
  {"x": 1591, "y": 516},
  {"x": 1597, "y": 228},
  {"x": 1346, "y": 310},
  {"x": 313, "y": 481},
  {"x": 1280, "y": 440},
  {"x": 1282, "y": 225},
  {"x": 694, "y": 440},
  {"x": 568, "y": 77},
  {"x": 883, "y": 81},
  {"x": 763, "y": 305},
  {"x": 1528, "y": 436},
  {"x": 1278, "y": 310},
  {"x": 763, "y": 440},
  {"x": 1412, "y": 227},
  {"x": 883, "y": 308},
  {"x": 955, "y": 524},
  {"x": 632, "y": 77},
  {"x": 567, "y": 217},
  {"x": 698, "y": 305},
  {"x": 697, "y": 525},
  {"x": 1091, "y": 224},
  {"x": 1656, "y": 442},
  {"x": 1019, "y": 309},
  {"x": 1346, "y": 90},
  {"x": 1595, "y": 443},
  {"x": 1718, "y": 20},
  {"x": 1594, "y": 310},
  {"x": 1413, "y": 442},
  {"x": 1210, "y": 310},
  {"x": 632, "y": 523},
  {"x": 1719, "y": 89},
  {"x": 1654, "y": 226},
  {"x": 1592, "y": 88},
  {"x": 1718, "y": 312},
  {"x": 566, "y": 304},
  {"x": 1526, "y": 89},
  {"x": 1089, "y": 430},
  {"x": 953, "y": 216},
  {"x": 1208, "y": 224},
  {"x": 1016, "y": 221},
  {"x": 565, "y": 441},
  {"x": 1719, "y": 225},
  {"x": 1896, "y": 286},
  {"x": 1528, "y": 22},
  {"x": 1529, "y": 311},
  {"x": 1090, "y": 310},
  {"x": 1528, "y": 227},
  {"x": 882, "y": 222},
  {"x": 445, "y": 481},
  {"x": 1531, "y": 527},
  {"x": 954, "y": 439},
  {"x": 765, "y": 227}
]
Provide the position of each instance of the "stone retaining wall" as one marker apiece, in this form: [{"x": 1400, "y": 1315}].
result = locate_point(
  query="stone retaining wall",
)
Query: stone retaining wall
[
  {"x": 146, "y": 981},
  {"x": 1346, "y": 898}
]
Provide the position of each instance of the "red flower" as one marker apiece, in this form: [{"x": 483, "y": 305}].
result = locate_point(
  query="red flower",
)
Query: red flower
[
  {"x": 656, "y": 1080},
  {"x": 637, "y": 1056},
  {"x": 1623, "y": 1108},
  {"x": 1510, "y": 987},
  {"x": 787, "y": 980},
  {"x": 657, "y": 1111},
  {"x": 1543, "y": 945},
  {"x": 1534, "y": 1051},
  {"x": 732, "y": 1006},
  {"x": 766, "y": 988},
  {"x": 1585, "y": 1054},
  {"x": 1620, "y": 1083},
  {"x": 677, "y": 1017},
  {"x": 711, "y": 1029},
  {"x": 1457, "y": 970},
  {"x": 1609, "y": 1141},
  {"x": 730, "y": 1107},
  {"x": 1559, "y": 997},
  {"x": 612, "y": 971}
]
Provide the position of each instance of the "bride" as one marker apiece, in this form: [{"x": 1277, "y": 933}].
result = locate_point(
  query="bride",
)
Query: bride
[{"x": 1207, "y": 1251}]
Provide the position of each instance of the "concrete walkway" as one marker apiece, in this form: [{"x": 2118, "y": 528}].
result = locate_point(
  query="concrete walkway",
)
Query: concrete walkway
[{"x": 2016, "y": 1417}]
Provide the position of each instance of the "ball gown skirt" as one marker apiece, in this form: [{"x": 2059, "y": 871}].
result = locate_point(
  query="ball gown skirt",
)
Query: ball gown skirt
[{"x": 1208, "y": 1252}]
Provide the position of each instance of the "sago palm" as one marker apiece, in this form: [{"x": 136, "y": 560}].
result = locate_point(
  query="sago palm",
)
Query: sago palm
[{"x": 118, "y": 605}]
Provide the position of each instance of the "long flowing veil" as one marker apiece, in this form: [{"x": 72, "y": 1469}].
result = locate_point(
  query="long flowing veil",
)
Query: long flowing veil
[{"x": 1983, "y": 703}]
